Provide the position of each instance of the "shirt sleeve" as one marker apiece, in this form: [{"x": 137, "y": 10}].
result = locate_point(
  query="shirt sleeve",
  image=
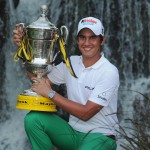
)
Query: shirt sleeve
[
  {"x": 106, "y": 89},
  {"x": 57, "y": 74}
]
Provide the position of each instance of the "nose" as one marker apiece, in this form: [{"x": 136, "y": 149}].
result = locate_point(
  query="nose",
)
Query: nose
[{"x": 86, "y": 41}]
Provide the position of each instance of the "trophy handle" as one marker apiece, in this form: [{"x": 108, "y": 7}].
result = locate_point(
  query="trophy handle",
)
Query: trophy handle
[
  {"x": 64, "y": 35},
  {"x": 62, "y": 43}
]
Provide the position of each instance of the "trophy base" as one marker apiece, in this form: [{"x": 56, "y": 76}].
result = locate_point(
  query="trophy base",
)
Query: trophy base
[{"x": 35, "y": 102}]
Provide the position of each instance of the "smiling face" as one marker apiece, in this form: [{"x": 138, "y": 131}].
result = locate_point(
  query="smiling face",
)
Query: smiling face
[{"x": 89, "y": 45}]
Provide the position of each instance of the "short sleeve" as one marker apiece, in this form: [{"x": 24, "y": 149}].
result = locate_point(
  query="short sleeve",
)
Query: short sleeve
[
  {"x": 57, "y": 74},
  {"x": 106, "y": 88}
]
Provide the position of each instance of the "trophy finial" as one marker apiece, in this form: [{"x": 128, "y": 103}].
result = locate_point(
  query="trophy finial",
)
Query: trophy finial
[{"x": 44, "y": 9}]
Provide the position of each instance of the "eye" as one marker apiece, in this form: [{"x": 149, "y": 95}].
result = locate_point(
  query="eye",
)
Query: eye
[
  {"x": 81, "y": 37},
  {"x": 93, "y": 37}
]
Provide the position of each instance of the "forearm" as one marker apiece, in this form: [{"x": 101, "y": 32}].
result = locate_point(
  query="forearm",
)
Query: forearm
[{"x": 83, "y": 112}]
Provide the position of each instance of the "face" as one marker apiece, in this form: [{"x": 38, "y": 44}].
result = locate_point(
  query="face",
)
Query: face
[{"x": 89, "y": 44}]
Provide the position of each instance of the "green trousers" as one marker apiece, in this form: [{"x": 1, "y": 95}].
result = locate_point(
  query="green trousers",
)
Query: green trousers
[{"x": 47, "y": 129}]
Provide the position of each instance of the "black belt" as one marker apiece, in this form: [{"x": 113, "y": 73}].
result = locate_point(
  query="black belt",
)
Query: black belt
[{"x": 112, "y": 137}]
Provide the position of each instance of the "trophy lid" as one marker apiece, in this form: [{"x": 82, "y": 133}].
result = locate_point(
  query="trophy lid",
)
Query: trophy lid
[{"x": 42, "y": 22}]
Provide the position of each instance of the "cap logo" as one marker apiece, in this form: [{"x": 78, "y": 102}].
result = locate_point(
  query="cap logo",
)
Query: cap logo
[{"x": 88, "y": 22}]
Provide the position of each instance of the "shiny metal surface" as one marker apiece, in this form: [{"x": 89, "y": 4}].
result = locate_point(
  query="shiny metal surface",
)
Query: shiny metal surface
[
  {"x": 41, "y": 37},
  {"x": 37, "y": 69},
  {"x": 42, "y": 50},
  {"x": 42, "y": 34}
]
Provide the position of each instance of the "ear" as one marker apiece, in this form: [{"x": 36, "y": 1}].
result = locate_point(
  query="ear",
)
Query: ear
[{"x": 103, "y": 41}]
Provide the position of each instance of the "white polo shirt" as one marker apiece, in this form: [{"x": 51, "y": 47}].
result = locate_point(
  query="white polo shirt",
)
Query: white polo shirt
[{"x": 98, "y": 83}]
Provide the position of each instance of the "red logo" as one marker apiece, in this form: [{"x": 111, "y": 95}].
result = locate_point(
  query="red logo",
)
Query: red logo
[{"x": 88, "y": 21}]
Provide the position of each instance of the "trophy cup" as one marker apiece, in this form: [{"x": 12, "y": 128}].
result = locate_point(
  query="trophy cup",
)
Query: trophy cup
[{"x": 38, "y": 53}]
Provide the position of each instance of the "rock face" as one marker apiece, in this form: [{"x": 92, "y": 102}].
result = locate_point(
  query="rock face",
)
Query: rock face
[{"x": 127, "y": 46}]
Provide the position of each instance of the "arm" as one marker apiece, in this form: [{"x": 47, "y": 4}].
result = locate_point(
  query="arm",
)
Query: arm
[{"x": 83, "y": 112}]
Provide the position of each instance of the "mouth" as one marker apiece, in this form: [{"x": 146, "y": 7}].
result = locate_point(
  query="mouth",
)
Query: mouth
[{"x": 87, "y": 49}]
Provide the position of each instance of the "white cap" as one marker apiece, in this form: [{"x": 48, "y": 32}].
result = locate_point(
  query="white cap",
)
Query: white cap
[{"x": 93, "y": 24}]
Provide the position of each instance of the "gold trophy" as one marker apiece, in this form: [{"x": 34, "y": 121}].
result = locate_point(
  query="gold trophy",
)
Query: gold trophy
[{"x": 38, "y": 54}]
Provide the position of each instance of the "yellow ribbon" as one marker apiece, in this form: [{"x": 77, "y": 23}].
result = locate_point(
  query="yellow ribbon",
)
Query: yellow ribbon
[
  {"x": 66, "y": 59},
  {"x": 24, "y": 52}
]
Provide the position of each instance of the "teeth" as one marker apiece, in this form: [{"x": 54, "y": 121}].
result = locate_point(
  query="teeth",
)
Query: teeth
[{"x": 87, "y": 49}]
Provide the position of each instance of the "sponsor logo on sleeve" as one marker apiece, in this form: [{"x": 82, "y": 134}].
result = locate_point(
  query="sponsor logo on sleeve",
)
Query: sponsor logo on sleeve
[{"x": 102, "y": 96}]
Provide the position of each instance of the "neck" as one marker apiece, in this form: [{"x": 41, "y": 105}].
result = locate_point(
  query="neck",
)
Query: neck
[{"x": 87, "y": 61}]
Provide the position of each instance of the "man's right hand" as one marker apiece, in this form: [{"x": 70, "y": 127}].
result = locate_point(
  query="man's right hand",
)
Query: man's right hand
[{"x": 17, "y": 34}]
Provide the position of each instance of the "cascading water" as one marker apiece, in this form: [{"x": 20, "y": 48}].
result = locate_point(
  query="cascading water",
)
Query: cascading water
[{"x": 127, "y": 46}]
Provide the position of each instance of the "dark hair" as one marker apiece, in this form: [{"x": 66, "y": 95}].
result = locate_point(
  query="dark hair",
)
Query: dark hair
[{"x": 101, "y": 37}]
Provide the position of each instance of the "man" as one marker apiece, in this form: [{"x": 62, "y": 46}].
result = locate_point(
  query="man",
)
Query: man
[{"x": 91, "y": 102}]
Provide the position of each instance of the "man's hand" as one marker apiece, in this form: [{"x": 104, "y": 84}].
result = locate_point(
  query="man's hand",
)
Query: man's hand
[
  {"x": 17, "y": 34},
  {"x": 41, "y": 86},
  {"x": 30, "y": 75}
]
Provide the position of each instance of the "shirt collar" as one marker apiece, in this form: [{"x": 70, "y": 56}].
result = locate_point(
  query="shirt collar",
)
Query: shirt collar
[{"x": 97, "y": 64}]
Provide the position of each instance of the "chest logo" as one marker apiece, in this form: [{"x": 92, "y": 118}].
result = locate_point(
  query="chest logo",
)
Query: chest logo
[{"x": 89, "y": 88}]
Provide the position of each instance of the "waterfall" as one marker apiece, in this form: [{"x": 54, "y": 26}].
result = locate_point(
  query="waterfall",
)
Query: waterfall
[{"x": 127, "y": 30}]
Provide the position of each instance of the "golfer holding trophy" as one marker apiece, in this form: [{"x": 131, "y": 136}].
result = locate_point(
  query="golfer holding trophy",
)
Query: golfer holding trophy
[{"x": 91, "y": 96}]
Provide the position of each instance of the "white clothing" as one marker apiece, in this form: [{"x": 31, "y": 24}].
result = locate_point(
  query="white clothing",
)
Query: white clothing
[{"x": 98, "y": 83}]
